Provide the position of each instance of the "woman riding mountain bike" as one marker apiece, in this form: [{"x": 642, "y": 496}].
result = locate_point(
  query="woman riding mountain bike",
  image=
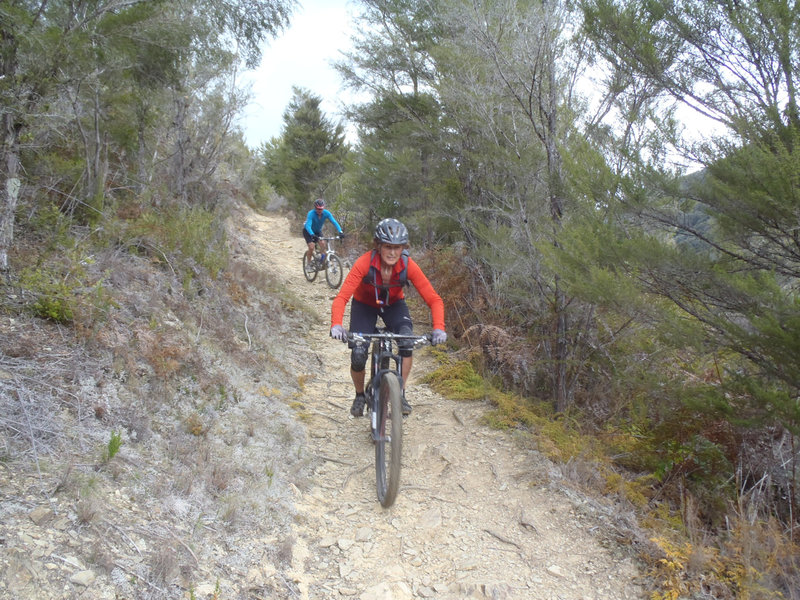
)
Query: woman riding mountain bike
[
  {"x": 312, "y": 230},
  {"x": 375, "y": 283}
]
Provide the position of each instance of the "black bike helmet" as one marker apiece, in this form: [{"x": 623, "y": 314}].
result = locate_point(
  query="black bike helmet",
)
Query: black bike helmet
[
  {"x": 391, "y": 231},
  {"x": 319, "y": 203}
]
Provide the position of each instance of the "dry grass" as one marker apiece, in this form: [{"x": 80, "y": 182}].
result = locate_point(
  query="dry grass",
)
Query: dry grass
[
  {"x": 195, "y": 426},
  {"x": 164, "y": 564},
  {"x": 752, "y": 557},
  {"x": 171, "y": 370},
  {"x": 86, "y": 510}
]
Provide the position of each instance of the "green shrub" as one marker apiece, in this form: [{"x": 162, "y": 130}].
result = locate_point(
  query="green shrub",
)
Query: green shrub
[
  {"x": 63, "y": 290},
  {"x": 113, "y": 446},
  {"x": 557, "y": 438},
  {"x": 192, "y": 233},
  {"x": 459, "y": 380}
]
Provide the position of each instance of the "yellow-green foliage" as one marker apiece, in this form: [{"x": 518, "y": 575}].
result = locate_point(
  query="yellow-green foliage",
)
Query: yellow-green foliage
[
  {"x": 758, "y": 553},
  {"x": 746, "y": 567},
  {"x": 301, "y": 411},
  {"x": 637, "y": 491},
  {"x": 54, "y": 297},
  {"x": 193, "y": 232},
  {"x": 685, "y": 570},
  {"x": 65, "y": 292},
  {"x": 670, "y": 571},
  {"x": 662, "y": 519},
  {"x": 514, "y": 411},
  {"x": 623, "y": 441},
  {"x": 559, "y": 440},
  {"x": 113, "y": 446},
  {"x": 51, "y": 224},
  {"x": 458, "y": 380},
  {"x": 269, "y": 392}
]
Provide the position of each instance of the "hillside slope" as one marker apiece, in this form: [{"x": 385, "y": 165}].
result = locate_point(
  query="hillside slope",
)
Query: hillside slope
[{"x": 240, "y": 473}]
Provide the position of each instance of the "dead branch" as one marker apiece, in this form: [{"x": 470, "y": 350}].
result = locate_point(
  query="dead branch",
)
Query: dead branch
[
  {"x": 503, "y": 539},
  {"x": 336, "y": 460}
]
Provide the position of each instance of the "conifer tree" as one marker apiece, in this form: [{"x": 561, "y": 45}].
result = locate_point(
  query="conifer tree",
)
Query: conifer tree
[
  {"x": 403, "y": 167},
  {"x": 308, "y": 156},
  {"x": 87, "y": 86},
  {"x": 721, "y": 246}
]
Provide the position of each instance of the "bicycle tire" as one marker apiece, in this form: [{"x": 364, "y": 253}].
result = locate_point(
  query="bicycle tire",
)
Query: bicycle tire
[
  {"x": 333, "y": 271},
  {"x": 309, "y": 270},
  {"x": 389, "y": 442}
]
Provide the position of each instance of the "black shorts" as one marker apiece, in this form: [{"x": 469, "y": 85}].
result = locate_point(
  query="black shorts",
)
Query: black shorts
[
  {"x": 396, "y": 317},
  {"x": 307, "y": 236}
]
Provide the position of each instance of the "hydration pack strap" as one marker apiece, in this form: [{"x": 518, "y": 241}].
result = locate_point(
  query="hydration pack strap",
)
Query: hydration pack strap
[{"x": 371, "y": 278}]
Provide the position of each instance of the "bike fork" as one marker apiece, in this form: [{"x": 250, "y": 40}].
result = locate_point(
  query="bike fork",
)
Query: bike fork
[{"x": 376, "y": 435}]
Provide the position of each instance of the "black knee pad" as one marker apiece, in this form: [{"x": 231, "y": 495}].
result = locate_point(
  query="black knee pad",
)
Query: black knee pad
[
  {"x": 358, "y": 358},
  {"x": 405, "y": 347}
]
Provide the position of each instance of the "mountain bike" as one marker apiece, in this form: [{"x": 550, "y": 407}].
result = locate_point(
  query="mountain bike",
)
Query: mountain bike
[
  {"x": 331, "y": 264},
  {"x": 384, "y": 393}
]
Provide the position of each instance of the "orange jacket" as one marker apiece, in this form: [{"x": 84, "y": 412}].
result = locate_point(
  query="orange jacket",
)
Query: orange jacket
[{"x": 355, "y": 287}]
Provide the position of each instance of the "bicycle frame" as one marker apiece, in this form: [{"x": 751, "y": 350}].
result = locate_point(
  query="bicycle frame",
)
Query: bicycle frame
[
  {"x": 332, "y": 265},
  {"x": 382, "y": 358},
  {"x": 383, "y": 355},
  {"x": 384, "y": 400},
  {"x": 330, "y": 250}
]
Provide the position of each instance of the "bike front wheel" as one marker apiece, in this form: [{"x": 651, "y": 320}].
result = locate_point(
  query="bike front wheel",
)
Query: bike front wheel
[
  {"x": 388, "y": 439},
  {"x": 309, "y": 268},
  {"x": 333, "y": 272}
]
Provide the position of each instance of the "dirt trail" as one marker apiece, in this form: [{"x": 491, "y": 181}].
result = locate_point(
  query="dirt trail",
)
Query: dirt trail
[{"x": 477, "y": 516}]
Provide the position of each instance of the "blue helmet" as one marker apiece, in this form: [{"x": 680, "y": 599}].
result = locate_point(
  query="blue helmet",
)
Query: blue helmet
[{"x": 319, "y": 203}]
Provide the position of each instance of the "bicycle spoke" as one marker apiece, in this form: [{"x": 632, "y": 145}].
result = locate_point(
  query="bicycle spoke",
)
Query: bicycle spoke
[
  {"x": 333, "y": 273},
  {"x": 309, "y": 269}
]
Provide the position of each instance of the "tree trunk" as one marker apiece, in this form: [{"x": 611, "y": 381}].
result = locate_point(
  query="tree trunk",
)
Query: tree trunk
[
  {"x": 9, "y": 186},
  {"x": 96, "y": 151},
  {"x": 182, "y": 144},
  {"x": 560, "y": 375},
  {"x": 556, "y": 187},
  {"x": 9, "y": 149}
]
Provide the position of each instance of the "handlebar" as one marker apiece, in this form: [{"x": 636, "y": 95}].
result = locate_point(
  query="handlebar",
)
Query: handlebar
[{"x": 418, "y": 340}]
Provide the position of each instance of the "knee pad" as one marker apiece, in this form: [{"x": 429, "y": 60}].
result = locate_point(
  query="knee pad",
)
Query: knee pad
[
  {"x": 358, "y": 358},
  {"x": 405, "y": 347}
]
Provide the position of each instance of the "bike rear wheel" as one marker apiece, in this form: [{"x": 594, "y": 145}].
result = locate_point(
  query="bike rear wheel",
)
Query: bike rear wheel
[
  {"x": 333, "y": 272},
  {"x": 309, "y": 268},
  {"x": 389, "y": 439}
]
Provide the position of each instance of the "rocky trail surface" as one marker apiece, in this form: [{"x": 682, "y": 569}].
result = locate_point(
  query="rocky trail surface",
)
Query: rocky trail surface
[
  {"x": 478, "y": 514},
  {"x": 243, "y": 475}
]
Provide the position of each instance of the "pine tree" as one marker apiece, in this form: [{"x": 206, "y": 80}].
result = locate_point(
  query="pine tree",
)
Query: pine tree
[
  {"x": 309, "y": 155},
  {"x": 721, "y": 246}
]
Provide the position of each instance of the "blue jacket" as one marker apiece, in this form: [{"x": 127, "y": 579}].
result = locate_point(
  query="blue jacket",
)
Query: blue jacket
[{"x": 314, "y": 223}]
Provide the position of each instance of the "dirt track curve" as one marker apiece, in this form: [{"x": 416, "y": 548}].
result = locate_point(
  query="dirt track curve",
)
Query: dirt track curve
[{"x": 477, "y": 515}]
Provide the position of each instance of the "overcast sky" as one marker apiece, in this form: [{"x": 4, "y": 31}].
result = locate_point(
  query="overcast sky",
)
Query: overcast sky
[{"x": 301, "y": 56}]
